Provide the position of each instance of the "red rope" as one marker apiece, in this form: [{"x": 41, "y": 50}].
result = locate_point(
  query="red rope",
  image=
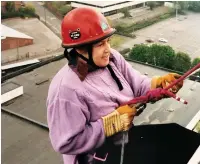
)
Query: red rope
[
  {"x": 183, "y": 76},
  {"x": 158, "y": 93}
]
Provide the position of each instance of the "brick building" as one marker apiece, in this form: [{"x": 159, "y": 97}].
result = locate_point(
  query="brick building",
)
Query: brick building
[{"x": 11, "y": 38}]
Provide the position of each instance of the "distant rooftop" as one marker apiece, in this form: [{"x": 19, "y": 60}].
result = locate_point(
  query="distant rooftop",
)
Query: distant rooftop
[
  {"x": 9, "y": 32},
  {"x": 101, "y": 3},
  {"x": 105, "y": 6}
]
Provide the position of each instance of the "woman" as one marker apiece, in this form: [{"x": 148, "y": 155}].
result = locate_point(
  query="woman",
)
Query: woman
[{"x": 85, "y": 95}]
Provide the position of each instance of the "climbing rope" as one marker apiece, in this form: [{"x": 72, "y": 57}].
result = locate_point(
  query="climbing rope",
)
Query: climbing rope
[
  {"x": 153, "y": 95},
  {"x": 156, "y": 94}
]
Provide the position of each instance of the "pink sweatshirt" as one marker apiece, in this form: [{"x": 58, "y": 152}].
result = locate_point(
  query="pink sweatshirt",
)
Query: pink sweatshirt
[{"x": 75, "y": 107}]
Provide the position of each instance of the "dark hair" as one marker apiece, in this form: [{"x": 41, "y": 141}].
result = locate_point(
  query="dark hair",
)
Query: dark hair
[{"x": 71, "y": 56}]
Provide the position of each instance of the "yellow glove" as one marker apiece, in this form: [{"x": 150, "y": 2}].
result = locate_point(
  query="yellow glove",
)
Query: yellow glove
[
  {"x": 164, "y": 81},
  {"x": 119, "y": 120}
]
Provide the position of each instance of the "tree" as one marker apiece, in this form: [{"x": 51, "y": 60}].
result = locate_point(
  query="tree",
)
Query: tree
[
  {"x": 140, "y": 53},
  {"x": 27, "y": 11},
  {"x": 194, "y": 63},
  {"x": 151, "y": 4},
  {"x": 125, "y": 11},
  {"x": 182, "y": 62},
  {"x": 58, "y": 4},
  {"x": 194, "y": 6},
  {"x": 160, "y": 3},
  {"x": 10, "y": 6},
  {"x": 161, "y": 55},
  {"x": 64, "y": 9},
  {"x": 182, "y": 5}
]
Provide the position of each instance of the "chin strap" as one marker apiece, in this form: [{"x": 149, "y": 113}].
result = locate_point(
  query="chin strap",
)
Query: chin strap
[
  {"x": 72, "y": 57},
  {"x": 115, "y": 77}
]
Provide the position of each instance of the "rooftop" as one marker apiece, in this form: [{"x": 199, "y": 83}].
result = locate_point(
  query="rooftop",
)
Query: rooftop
[
  {"x": 9, "y": 32},
  {"x": 105, "y": 6},
  {"x": 101, "y": 3},
  {"x": 45, "y": 41},
  {"x": 26, "y": 143},
  {"x": 32, "y": 104}
]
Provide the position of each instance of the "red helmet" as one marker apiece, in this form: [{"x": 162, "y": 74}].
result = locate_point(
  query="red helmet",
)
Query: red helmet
[{"x": 84, "y": 26}]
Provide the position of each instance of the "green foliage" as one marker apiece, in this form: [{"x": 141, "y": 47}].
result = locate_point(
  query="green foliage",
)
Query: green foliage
[
  {"x": 140, "y": 53},
  {"x": 182, "y": 62},
  {"x": 165, "y": 16},
  {"x": 116, "y": 40},
  {"x": 194, "y": 63},
  {"x": 145, "y": 23},
  {"x": 64, "y": 9},
  {"x": 182, "y": 5},
  {"x": 10, "y": 6},
  {"x": 124, "y": 28},
  {"x": 160, "y": 3},
  {"x": 161, "y": 55},
  {"x": 60, "y": 7},
  {"x": 194, "y": 6},
  {"x": 125, "y": 11},
  {"x": 58, "y": 4},
  {"x": 10, "y": 15},
  {"x": 27, "y": 11},
  {"x": 128, "y": 29},
  {"x": 151, "y": 4}
]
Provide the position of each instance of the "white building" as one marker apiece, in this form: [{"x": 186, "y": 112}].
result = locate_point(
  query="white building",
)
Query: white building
[{"x": 108, "y": 7}]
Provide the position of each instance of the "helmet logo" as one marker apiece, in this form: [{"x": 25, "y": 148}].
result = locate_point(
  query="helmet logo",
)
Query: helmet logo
[
  {"x": 75, "y": 34},
  {"x": 104, "y": 26}
]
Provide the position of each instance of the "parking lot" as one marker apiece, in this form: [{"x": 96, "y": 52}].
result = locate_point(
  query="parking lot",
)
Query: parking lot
[
  {"x": 182, "y": 34},
  {"x": 45, "y": 42}
]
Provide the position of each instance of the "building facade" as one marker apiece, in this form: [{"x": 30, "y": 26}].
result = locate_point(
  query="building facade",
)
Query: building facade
[
  {"x": 11, "y": 38},
  {"x": 108, "y": 7}
]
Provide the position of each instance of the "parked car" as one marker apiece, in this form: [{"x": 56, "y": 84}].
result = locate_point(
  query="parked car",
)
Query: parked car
[{"x": 163, "y": 40}]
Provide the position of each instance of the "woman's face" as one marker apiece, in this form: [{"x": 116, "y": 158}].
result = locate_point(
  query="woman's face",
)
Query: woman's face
[{"x": 101, "y": 52}]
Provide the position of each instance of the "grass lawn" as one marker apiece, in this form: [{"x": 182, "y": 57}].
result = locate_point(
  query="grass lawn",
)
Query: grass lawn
[{"x": 117, "y": 40}]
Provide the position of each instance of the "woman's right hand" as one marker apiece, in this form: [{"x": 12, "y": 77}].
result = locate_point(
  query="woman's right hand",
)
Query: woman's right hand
[{"x": 119, "y": 120}]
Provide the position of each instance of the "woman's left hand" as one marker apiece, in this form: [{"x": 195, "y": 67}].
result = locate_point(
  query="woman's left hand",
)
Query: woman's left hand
[{"x": 164, "y": 81}]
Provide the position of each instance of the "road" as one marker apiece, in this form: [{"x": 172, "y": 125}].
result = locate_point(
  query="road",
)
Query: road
[
  {"x": 47, "y": 17},
  {"x": 182, "y": 34}
]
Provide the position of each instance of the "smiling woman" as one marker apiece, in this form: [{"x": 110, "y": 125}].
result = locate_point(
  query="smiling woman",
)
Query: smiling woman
[{"x": 85, "y": 96}]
